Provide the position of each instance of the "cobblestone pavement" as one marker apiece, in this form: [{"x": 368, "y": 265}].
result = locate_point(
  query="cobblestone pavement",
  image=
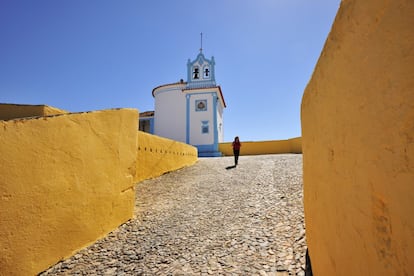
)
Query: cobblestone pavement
[{"x": 208, "y": 220}]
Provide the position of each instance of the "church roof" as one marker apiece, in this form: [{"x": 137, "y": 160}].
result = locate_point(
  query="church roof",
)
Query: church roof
[
  {"x": 199, "y": 86},
  {"x": 147, "y": 114},
  {"x": 166, "y": 85}
]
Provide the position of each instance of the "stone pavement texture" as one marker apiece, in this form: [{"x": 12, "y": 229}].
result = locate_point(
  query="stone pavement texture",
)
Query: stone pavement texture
[{"x": 208, "y": 220}]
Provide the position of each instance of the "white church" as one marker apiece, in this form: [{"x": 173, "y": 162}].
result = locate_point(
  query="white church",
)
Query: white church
[{"x": 191, "y": 111}]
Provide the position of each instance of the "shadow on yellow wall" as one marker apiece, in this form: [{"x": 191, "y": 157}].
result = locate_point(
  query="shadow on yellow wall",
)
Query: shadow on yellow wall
[{"x": 293, "y": 145}]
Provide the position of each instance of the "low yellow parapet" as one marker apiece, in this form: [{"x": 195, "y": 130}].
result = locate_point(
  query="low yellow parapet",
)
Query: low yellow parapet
[
  {"x": 14, "y": 111},
  {"x": 293, "y": 145},
  {"x": 65, "y": 181},
  {"x": 358, "y": 143},
  {"x": 157, "y": 155}
]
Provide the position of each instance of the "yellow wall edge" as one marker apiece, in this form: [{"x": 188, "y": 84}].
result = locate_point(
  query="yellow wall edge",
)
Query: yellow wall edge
[
  {"x": 293, "y": 145},
  {"x": 15, "y": 111},
  {"x": 157, "y": 155}
]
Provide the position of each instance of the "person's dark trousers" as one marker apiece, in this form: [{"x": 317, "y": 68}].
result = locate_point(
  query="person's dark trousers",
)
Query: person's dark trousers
[{"x": 236, "y": 156}]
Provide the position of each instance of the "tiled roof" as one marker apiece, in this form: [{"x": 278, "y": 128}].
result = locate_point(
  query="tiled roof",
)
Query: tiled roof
[{"x": 146, "y": 114}]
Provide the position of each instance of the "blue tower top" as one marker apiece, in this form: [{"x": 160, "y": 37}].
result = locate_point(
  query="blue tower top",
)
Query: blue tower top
[{"x": 200, "y": 72}]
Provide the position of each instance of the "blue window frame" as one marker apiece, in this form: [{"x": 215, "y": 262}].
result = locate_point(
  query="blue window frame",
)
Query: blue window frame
[{"x": 204, "y": 127}]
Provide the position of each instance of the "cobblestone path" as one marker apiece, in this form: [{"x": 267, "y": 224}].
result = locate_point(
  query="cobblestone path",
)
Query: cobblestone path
[{"x": 208, "y": 220}]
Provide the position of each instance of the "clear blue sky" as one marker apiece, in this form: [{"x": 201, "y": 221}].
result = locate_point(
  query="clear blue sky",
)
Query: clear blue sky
[{"x": 82, "y": 55}]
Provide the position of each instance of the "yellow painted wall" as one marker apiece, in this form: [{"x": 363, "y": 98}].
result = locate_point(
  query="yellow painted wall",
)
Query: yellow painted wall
[
  {"x": 65, "y": 181},
  {"x": 157, "y": 155},
  {"x": 358, "y": 143},
  {"x": 14, "y": 111},
  {"x": 293, "y": 145}
]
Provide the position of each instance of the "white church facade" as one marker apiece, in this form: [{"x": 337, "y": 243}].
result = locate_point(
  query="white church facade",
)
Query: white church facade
[{"x": 190, "y": 111}]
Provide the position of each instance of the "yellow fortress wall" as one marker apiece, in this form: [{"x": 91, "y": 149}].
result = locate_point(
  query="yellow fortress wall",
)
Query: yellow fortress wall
[
  {"x": 293, "y": 145},
  {"x": 358, "y": 143},
  {"x": 65, "y": 181},
  {"x": 157, "y": 155},
  {"x": 14, "y": 111}
]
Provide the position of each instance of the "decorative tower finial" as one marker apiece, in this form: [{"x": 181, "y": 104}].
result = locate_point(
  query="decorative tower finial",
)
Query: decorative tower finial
[{"x": 201, "y": 47}]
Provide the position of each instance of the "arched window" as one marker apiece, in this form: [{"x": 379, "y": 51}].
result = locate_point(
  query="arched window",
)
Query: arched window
[
  {"x": 196, "y": 72},
  {"x": 206, "y": 72}
]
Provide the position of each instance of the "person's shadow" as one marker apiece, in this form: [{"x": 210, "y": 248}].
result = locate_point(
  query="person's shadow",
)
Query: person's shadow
[{"x": 230, "y": 167}]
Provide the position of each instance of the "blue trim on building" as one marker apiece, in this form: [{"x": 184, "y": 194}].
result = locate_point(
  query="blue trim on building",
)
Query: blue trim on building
[
  {"x": 204, "y": 150},
  {"x": 152, "y": 125},
  {"x": 212, "y": 69},
  {"x": 189, "y": 71},
  {"x": 201, "y": 60},
  {"x": 205, "y": 83},
  {"x": 187, "y": 119},
  {"x": 208, "y": 150},
  {"x": 215, "y": 126}
]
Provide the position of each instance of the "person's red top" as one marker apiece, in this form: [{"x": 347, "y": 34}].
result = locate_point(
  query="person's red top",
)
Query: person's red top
[{"x": 236, "y": 145}]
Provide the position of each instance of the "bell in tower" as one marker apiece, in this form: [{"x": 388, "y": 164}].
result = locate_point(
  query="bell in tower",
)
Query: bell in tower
[{"x": 195, "y": 73}]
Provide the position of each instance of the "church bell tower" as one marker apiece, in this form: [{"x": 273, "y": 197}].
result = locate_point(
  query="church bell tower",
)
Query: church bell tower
[{"x": 192, "y": 111}]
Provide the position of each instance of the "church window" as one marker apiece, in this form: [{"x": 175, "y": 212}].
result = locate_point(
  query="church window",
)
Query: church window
[
  {"x": 144, "y": 125},
  {"x": 196, "y": 73},
  {"x": 204, "y": 127}
]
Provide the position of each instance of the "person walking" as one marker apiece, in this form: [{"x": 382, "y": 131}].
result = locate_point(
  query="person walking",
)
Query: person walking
[{"x": 236, "y": 149}]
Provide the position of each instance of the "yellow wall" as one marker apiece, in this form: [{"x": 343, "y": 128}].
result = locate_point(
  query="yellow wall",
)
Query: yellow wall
[
  {"x": 358, "y": 143},
  {"x": 14, "y": 111},
  {"x": 65, "y": 181},
  {"x": 157, "y": 155},
  {"x": 293, "y": 145}
]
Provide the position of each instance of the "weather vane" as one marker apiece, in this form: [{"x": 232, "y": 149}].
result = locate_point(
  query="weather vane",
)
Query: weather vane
[{"x": 201, "y": 47}]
